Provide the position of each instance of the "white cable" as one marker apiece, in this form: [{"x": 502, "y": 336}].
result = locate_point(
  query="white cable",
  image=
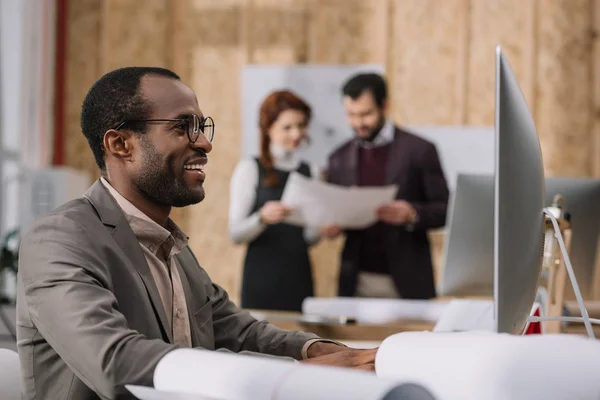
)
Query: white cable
[
  {"x": 594, "y": 321},
  {"x": 584, "y": 313}
]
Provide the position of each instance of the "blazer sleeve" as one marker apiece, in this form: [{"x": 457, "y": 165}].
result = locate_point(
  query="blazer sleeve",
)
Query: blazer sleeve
[
  {"x": 331, "y": 173},
  {"x": 237, "y": 331},
  {"x": 66, "y": 294},
  {"x": 432, "y": 211}
]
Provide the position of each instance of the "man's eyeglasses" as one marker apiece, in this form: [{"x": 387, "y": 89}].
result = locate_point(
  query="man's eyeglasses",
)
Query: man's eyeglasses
[{"x": 193, "y": 125}]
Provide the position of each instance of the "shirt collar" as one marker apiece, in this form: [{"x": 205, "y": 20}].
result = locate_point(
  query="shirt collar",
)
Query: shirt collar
[
  {"x": 284, "y": 160},
  {"x": 384, "y": 137},
  {"x": 149, "y": 233}
]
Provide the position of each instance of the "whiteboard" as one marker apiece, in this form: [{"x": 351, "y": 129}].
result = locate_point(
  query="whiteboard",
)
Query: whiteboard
[
  {"x": 319, "y": 85},
  {"x": 462, "y": 149}
]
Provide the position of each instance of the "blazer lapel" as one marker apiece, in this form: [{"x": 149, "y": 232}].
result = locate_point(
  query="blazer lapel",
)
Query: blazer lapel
[
  {"x": 191, "y": 297},
  {"x": 351, "y": 179},
  {"x": 112, "y": 216},
  {"x": 398, "y": 159}
]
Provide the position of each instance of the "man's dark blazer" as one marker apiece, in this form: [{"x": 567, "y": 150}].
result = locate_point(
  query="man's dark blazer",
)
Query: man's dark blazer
[{"x": 414, "y": 166}]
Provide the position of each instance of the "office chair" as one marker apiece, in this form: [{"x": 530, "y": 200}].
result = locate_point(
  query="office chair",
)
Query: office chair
[{"x": 10, "y": 375}]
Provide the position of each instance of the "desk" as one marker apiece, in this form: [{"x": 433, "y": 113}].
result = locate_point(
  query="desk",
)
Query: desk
[
  {"x": 347, "y": 332},
  {"x": 368, "y": 335}
]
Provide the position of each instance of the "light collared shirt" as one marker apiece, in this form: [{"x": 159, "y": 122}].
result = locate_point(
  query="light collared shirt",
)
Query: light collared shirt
[
  {"x": 384, "y": 137},
  {"x": 160, "y": 245}
]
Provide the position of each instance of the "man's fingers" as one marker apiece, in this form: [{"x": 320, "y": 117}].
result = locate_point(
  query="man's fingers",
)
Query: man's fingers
[
  {"x": 355, "y": 358},
  {"x": 366, "y": 356},
  {"x": 366, "y": 367}
]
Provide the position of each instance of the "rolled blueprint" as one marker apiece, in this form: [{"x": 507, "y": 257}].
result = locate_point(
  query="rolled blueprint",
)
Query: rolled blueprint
[
  {"x": 228, "y": 376},
  {"x": 491, "y": 366},
  {"x": 376, "y": 311}
]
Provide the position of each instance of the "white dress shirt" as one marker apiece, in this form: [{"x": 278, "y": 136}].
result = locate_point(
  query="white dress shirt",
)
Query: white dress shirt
[{"x": 385, "y": 136}]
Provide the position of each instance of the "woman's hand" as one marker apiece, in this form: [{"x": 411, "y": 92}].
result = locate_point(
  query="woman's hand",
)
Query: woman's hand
[
  {"x": 330, "y": 231},
  {"x": 273, "y": 212}
]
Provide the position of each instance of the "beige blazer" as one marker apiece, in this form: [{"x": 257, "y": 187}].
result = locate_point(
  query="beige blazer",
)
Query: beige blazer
[{"x": 89, "y": 315}]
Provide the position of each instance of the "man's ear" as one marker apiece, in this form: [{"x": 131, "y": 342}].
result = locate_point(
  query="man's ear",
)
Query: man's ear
[
  {"x": 384, "y": 107},
  {"x": 119, "y": 144}
]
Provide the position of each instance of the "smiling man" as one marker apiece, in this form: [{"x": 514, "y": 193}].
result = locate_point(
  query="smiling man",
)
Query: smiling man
[{"x": 107, "y": 282}]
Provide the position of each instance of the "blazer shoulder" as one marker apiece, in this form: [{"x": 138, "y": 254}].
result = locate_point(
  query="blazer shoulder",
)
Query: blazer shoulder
[
  {"x": 75, "y": 215},
  {"x": 341, "y": 149},
  {"x": 415, "y": 140}
]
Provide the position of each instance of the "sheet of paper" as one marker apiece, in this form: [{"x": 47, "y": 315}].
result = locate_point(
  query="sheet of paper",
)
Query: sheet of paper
[
  {"x": 228, "y": 376},
  {"x": 375, "y": 311},
  {"x": 148, "y": 393},
  {"x": 317, "y": 203},
  {"x": 462, "y": 315}
]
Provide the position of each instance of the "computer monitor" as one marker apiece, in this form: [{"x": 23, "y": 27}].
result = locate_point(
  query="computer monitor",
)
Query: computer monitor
[
  {"x": 468, "y": 255},
  {"x": 519, "y": 196},
  {"x": 517, "y": 220},
  {"x": 582, "y": 197},
  {"x": 468, "y": 248}
]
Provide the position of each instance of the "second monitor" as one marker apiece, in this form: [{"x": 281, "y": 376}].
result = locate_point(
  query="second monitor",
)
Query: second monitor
[{"x": 468, "y": 252}]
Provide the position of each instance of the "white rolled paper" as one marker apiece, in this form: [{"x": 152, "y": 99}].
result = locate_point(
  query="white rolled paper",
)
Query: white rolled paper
[
  {"x": 375, "y": 311},
  {"x": 490, "y": 366},
  {"x": 227, "y": 376},
  {"x": 147, "y": 393}
]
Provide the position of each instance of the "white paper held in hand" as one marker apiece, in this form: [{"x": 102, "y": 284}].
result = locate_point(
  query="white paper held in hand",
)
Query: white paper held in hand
[{"x": 316, "y": 203}]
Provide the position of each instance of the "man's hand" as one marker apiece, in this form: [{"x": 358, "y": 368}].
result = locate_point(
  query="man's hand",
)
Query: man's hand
[
  {"x": 321, "y": 353},
  {"x": 273, "y": 212},
  {"x": 330, "y": 231},
  {"x": 399, "y": 212}
]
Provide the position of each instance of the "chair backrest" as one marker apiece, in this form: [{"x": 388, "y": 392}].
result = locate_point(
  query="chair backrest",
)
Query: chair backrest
[{"x": 10, "y": 375}]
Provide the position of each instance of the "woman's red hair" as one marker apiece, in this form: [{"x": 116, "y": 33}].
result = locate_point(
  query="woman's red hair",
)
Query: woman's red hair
[{"x": 276, "y": 103}]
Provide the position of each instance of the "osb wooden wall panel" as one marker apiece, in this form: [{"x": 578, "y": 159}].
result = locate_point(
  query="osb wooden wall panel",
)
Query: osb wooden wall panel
[
  {"x": 492, "y": 23},
  {"x": 276, "y": 31},
  {"x": 564, "y": 93},
  {"x": 439, "y": 60},
  {"x": 135, "y": 33},
  {"x": 356, "y": 32},
  {"x": 83, "y": 69},
  {"x": 424, "y": 60}
]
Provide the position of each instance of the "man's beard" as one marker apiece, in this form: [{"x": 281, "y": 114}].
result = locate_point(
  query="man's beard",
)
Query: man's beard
[
  {"x": 375, "y": 131},
  {"x": 159, "y": 182}
]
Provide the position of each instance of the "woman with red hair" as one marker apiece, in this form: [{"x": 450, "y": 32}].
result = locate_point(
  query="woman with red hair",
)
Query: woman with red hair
[{"x": 277, "y": 272}]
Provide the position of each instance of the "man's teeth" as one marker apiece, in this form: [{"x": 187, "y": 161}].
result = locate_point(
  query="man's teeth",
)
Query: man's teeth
[{"x": 193, "y": 166}]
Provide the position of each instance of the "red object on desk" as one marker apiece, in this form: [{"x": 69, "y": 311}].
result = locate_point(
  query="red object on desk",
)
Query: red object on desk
[{"x": 534, "y": 328}]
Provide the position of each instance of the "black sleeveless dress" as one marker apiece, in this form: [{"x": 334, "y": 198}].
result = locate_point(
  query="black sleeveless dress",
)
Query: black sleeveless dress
[{"x": 277, "y": 271}]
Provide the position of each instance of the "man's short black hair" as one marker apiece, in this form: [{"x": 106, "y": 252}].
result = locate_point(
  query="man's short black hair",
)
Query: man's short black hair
[
  {"x": 112, "y": 99},
  {"x": 358, "y": 84}
]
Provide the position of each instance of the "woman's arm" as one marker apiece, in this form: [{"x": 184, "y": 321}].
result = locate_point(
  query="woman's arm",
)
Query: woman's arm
[
  {"x": 244, "y": 225},
  {"x": 312, "y": 235}
]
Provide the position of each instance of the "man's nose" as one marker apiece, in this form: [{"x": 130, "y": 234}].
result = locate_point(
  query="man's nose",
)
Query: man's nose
[{"x": 202, "y": 144}]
